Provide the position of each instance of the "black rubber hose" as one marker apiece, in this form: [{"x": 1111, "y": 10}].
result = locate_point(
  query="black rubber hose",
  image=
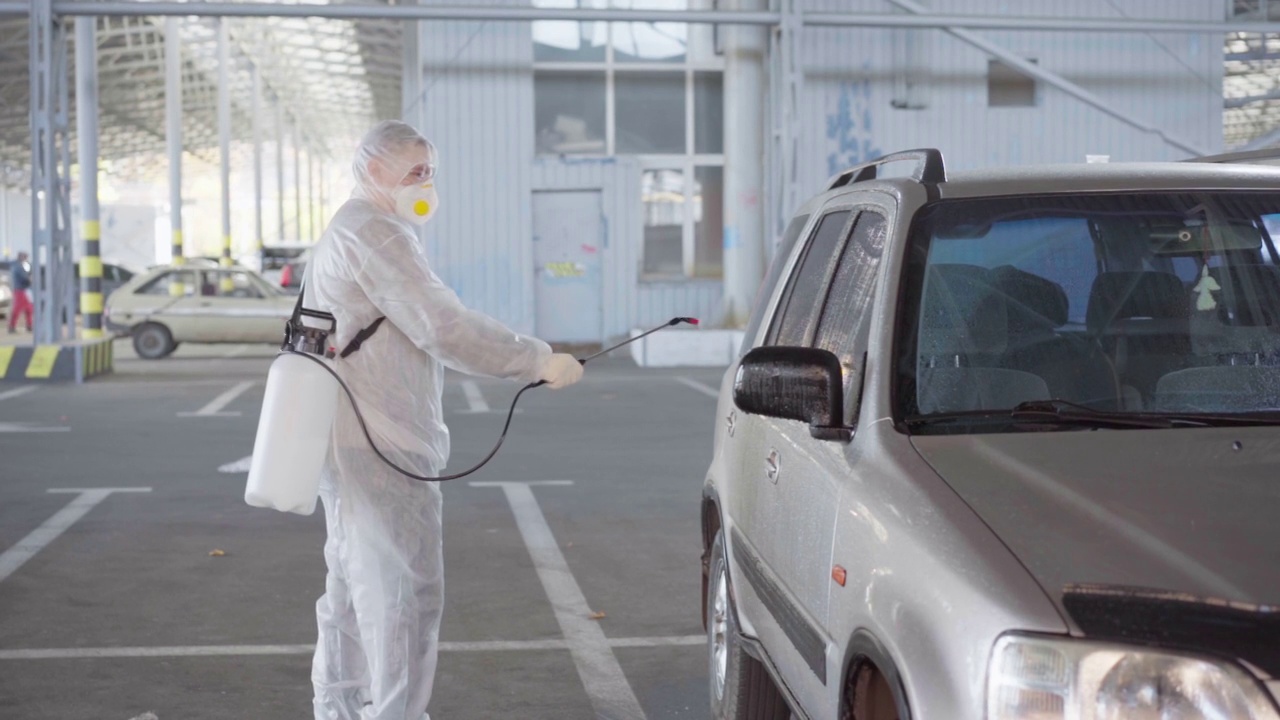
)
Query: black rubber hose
[
  {"x": 511, "y": 412},
  {"x": 365, "y": 428}
]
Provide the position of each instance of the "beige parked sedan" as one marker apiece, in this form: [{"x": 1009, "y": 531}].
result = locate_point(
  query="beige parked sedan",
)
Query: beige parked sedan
[{"x": 214, "y": 305}]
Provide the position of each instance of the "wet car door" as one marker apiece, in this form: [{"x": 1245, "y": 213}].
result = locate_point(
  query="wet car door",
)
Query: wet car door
[{"x": 790, "y": 481}]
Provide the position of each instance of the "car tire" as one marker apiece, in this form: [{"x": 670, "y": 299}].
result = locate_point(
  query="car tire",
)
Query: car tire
[
  {"x": 153, "y": 341},
  {"x": 741, "y": 688}
]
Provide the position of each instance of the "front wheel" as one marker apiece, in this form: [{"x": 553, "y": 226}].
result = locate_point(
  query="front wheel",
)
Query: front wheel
[
  {"x": 741, "y": 688},
  {"x": 153, "y": 341}
]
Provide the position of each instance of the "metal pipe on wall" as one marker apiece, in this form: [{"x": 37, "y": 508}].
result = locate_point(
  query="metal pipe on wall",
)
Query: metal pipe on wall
[
  {"x": 91, "y": 304},
  {"x": 173, "y": 139}
]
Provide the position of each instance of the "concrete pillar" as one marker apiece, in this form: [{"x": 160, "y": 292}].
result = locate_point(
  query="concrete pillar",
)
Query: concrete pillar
[
  {"x": 256, "y": 109},
  {"x": 280, "y": 168},
  {"x": 297, "y": 183},
  {"x": 173, "y": 138},
  {"x": 87, "y": 138},
  {"x": 744, "y": 146},
  {"x": 311, "y": 195}
]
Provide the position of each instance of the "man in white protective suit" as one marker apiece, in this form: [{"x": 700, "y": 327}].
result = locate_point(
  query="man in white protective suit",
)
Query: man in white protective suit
[{"x": 379, "y": 618}]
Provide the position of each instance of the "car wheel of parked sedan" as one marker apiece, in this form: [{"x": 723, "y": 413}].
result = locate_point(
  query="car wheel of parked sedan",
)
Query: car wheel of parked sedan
[
  {"x": 741, "y": 688},
  {"x": 153, "y": 341}
]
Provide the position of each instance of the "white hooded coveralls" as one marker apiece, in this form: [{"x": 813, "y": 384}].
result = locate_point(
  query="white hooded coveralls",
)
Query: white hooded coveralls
[{"x": 379, "y": 618}]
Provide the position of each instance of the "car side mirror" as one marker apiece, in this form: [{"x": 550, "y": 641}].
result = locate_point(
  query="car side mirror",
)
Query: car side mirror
[{"x": 794, "y": 383}]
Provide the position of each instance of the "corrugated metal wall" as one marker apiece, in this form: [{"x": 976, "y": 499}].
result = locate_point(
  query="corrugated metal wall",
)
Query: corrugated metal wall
[
  {"x": 1169, "y": 80},
  {"x": 477, "y": 107}
]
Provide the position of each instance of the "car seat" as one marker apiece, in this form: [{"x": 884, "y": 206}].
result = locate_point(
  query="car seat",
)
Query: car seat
[
  {"x": 1072, "y": 364},
  {"x": 1142, "y": 321}
]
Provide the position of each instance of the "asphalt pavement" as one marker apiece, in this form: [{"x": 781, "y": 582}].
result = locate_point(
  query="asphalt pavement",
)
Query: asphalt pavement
[{"x": 134, "y": 579}]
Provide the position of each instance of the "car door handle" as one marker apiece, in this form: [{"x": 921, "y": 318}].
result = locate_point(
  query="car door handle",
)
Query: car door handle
[{"x": 772, "y": 465}]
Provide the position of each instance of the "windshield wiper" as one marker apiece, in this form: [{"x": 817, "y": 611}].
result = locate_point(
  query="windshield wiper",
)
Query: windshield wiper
[
  {"x": 1047, "y": 412},
  {"x": 1066, "y": 413}
]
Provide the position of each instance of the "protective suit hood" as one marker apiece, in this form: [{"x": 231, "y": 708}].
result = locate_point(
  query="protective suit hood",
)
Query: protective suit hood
[{"x": 391, "y": 157}]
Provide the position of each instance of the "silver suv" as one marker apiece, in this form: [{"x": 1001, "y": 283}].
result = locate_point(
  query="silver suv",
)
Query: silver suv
[{"x": 1004, "y": 445}]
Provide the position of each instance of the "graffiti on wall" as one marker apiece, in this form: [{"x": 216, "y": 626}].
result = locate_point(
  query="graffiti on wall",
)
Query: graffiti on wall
[{"x": 849, "y": 128}]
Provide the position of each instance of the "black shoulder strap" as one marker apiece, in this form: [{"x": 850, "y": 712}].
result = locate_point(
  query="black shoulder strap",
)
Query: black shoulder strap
[
  {"x": 297, "y": 307},
  {"x": 356, "y": 342},
  {"x": 360, "y": 337}
]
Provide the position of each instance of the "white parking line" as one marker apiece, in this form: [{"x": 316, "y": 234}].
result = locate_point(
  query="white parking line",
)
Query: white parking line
[
  {"x": 236, "y": 351},
  {"x": 602, "y": 677},
  {"x": 704, "y": 389},
  {"x": 8, "y": 427},
  {"x": 474, "y": 398},
  {"x": 214, "y": 408},
  {"x": 17, "y": 392},
  {"x": 234, "y": 650},
  {"x": 37, "y": 539}
]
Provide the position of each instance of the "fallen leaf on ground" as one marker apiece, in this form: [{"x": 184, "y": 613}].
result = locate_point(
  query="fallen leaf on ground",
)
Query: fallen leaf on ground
[
  {"x": 597, "y": 616},
  {"x": 217, "y": 553}
]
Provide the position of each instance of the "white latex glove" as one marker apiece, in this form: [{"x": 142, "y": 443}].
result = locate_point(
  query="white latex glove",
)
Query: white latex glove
[{"x": 560, "y": 370}]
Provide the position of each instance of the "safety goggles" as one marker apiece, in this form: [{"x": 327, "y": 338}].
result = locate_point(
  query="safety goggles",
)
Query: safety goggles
[{"x": 421, "y": 172}]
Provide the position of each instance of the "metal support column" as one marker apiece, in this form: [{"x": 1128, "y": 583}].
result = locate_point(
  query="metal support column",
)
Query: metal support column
[
  {"x": 785, "y": 82},
  {"x": 744, "y": 146},
  {"x": 297, "y": 183},
  {"x": 173, "y": 140},
  {"x": 311, "y": 195},
  {"x": 320, "y": 181},
  {"x": 224, "y": 147},
  {"x": 279, "y": 168},
  {"x": 52, "y": 272},
  {"x": 256, "y": 108},
  {"x": 87, "y": 138}
]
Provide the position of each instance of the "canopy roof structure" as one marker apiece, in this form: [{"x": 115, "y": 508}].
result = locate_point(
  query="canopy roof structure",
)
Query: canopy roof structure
[{"x": 330, "y": 78}]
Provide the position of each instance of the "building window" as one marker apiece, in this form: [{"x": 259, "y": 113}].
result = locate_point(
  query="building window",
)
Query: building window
[
  {"x": 569, "y": 112},
  {"x": 1009, "y": 87},
  {"x": 653, "y": 91}
]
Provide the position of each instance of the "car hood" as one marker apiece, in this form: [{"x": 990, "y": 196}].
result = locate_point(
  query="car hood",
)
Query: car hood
[{"x": 1192, "y": 511}]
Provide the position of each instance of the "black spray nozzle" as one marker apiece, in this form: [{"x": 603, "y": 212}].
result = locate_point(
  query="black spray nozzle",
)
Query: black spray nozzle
[{"x": 647, "y": 333}]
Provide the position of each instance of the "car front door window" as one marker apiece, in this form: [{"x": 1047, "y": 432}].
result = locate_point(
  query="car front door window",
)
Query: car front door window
[
  {"x": 845, "y": 321},
  {"x": 798, "y": 309}
]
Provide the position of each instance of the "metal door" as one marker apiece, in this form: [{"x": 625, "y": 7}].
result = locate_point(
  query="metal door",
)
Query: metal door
[{"x": 568, "y": 240}]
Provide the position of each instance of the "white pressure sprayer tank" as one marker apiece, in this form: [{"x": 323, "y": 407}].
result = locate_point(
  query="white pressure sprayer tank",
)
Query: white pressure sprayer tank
[{"x": 297, "y": 417}]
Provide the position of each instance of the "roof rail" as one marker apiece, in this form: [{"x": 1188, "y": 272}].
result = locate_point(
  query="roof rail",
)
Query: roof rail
[
  {"x": 1239, "y": 157},
  {"x": 929, "y": 168}
]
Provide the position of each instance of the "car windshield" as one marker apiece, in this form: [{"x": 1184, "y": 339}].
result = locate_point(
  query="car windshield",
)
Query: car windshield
[{"x": 1138, "y": 303}]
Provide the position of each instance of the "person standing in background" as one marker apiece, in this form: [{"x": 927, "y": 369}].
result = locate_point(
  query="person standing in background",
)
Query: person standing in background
[{"x": 20, "y": 282}]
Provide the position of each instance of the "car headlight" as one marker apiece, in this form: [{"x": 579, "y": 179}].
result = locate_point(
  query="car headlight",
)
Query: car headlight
[{"x": 1042, "y": 678}]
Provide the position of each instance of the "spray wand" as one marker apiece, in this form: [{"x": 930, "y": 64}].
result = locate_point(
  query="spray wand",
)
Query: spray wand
[{"x": 510, "y": 412}]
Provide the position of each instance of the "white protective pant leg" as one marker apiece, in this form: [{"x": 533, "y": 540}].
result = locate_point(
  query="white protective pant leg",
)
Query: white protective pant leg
[{"x": 379, "y": 619}]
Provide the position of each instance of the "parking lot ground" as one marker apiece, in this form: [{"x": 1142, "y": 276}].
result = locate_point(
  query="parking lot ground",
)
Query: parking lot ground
[{"x": 134, "y": 579}]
